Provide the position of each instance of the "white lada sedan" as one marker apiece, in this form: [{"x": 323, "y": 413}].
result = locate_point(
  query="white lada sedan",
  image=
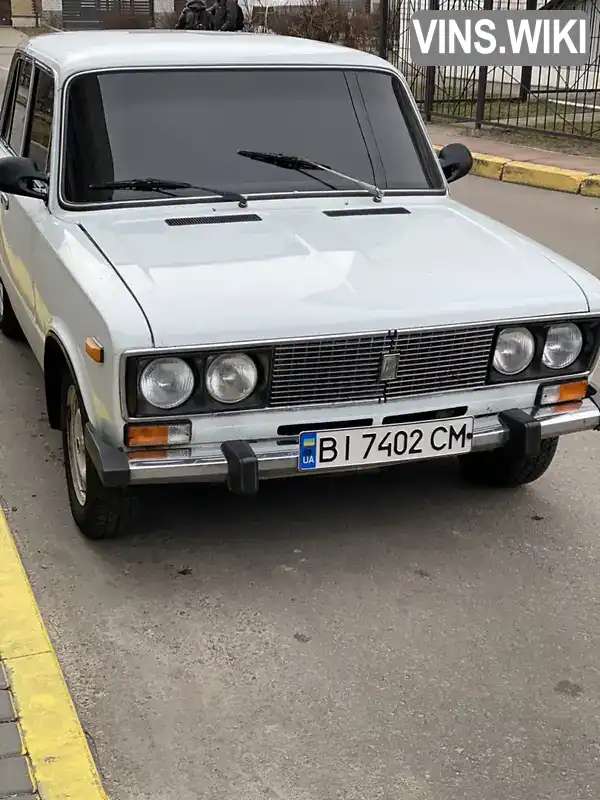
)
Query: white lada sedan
[{"x": 236, "y": 258}]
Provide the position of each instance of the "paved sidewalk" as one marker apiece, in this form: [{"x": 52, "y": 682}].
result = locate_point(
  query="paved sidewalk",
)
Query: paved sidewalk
[
  {"x": 11, "y": 38},
  {"x": 44, "y": 753},
  {"x": 15, "y": 768},
  {"x": 443, "y": 134},
  {"x": 546, "y": 169}
]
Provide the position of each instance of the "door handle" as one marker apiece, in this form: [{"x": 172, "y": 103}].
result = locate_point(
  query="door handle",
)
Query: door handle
[{"x": 4, "y": 200}]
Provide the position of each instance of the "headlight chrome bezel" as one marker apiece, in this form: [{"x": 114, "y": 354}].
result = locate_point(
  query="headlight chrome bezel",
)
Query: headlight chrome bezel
[
  {"x": 185, "y": 397},
  {"x": 537, "y": 370},
  {"x": 552, "y": 329},
  {"x": 200, "y": 401},
  {"x": 211, "y": 365},
  {"x": 506, "y": 332}
]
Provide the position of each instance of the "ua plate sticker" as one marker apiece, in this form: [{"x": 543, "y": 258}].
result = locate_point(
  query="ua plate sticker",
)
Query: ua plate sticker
[{"x": 307, "y": 457}]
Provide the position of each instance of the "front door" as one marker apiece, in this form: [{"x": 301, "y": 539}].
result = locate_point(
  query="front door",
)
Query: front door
[
  {"x": 15, "y": 237},
  {"x": 36, "y": 147}
]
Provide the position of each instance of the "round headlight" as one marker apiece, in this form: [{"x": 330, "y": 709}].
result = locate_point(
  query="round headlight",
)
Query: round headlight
[
  {"x": 231, "y": 378},
  {"x": 166, "y": 382},
  {"x": 515, "y": 349},
  {"x": 563, "y": 346}
]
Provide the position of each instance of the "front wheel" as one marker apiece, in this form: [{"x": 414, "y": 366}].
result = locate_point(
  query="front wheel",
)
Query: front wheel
[
  {"x": 100, "y": 512},
  {"x": 504, "y": 468},
  {"x": 9, "y": 324}
]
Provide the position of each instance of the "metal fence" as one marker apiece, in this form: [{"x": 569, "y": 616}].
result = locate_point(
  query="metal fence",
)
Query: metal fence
[
  {"x": 564, "y": 101},
  {"x": 82, "y": 14}
]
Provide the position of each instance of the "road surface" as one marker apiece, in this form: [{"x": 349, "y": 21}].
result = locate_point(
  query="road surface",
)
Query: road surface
[{"x": 373, "y": 638}]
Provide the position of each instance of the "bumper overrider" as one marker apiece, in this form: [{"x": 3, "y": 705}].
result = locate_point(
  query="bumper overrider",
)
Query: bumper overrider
[{"x": 242, "y": 464}]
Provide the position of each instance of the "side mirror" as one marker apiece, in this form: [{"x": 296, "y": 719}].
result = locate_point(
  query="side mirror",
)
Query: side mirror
[
  {"x": 456, "y": 161},
  {"x": 19, "y": 176}
]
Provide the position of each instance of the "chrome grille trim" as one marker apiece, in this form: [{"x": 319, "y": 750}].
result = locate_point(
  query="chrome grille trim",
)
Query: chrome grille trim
[{"x": 346, "y": 369}]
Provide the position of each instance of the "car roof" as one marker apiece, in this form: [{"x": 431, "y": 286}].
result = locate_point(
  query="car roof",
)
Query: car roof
[{"x": 69, "y": 52}]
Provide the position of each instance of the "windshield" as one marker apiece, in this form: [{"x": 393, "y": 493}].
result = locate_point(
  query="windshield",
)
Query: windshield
[{"x": 188, "y": 125}]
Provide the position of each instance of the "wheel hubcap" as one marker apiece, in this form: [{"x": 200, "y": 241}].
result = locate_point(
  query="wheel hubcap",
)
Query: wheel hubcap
[{"x": 76, "y": 445}]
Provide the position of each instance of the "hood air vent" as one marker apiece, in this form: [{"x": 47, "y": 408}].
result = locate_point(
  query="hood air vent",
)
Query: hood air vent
[
  {"x": 365, "y": 212},
  {"x": 216, "y": 220}
]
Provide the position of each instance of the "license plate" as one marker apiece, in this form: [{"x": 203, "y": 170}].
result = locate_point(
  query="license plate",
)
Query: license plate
[{"x": 355, "y": 447}]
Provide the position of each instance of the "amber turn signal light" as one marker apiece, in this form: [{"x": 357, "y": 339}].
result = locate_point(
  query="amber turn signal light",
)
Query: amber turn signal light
[
  {"x": 157, "y": 435},
  {"x": 94, "y": 350},
  {"x": 558, "y": 393}
]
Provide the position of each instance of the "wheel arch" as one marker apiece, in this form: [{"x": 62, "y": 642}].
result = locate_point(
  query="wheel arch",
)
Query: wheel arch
[{"x": 57, "y": 362}]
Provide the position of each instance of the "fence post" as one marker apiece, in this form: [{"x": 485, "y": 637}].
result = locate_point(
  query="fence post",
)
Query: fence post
[
  {"x": 481, "y": 91},
  {"x": 429, "y": 93},
  {"x": 488, "y": 5},
  {"x": 525, "y": 85},
  {"x": 430, "y": 73},
  {"x": 384, "y": 16}
]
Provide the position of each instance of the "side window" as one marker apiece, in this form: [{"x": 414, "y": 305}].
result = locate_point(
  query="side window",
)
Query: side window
[
  {"x": 37, "y": 144},
  {"x": 17, "y": 124},
  {"x": 9, "y": 97}
]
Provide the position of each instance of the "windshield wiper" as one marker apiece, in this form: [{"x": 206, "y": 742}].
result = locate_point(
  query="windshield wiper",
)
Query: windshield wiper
[
  {"x": 163, "y": 186},
  {"x": 302, "y": 164}
]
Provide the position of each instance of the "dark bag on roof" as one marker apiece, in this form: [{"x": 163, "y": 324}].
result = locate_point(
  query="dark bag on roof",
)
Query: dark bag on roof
[
  {"x": 240, "y": 21},
  {"x": 195, "y": 17}
]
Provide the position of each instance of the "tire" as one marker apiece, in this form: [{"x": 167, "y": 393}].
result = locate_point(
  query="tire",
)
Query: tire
[
  {"x": 98, "y": 511},
  {"x": 503, "y": 469},
  {"x": 9, "y": 324}
]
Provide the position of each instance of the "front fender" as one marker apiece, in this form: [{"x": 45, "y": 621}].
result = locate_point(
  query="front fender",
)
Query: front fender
[
  {"x": 79, "y": 295},
  {"x": 88, "y": 375}
]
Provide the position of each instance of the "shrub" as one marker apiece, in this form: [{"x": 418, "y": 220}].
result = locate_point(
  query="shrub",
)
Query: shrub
[{"x": 322, "y": 20}]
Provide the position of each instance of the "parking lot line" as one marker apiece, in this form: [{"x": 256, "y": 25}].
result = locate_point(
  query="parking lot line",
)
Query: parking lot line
[{"x": 54, "y": 749}]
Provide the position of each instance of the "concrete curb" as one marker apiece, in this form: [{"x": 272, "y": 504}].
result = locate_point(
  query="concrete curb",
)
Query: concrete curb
[
  {"x": 55, "y": 754},
  {"x": 541, "y": 176}
]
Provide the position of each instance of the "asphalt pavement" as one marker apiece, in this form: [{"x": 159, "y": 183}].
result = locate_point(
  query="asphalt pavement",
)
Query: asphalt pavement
[{"x": 374, "y": 637}]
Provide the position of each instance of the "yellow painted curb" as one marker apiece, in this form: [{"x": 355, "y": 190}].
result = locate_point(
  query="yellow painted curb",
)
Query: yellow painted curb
[
  {"x": 484, "y": 166},
  {"x": 543, "y": 176},
  {"x": 488, "y": 166},
  {"x": 62, "y": 762},
  {"x": 591, "y": 186}
]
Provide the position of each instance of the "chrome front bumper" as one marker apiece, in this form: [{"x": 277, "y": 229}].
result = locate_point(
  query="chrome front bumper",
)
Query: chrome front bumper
[{"x": 243, "y": 464}]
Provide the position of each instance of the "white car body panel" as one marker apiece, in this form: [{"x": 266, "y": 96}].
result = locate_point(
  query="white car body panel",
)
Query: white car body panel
[
  {"x": 126, "y": 278},
  {"x": 311, "y": 273},
  {"x": 58, "y": 282},
  {"x": 70, "y": 53}
]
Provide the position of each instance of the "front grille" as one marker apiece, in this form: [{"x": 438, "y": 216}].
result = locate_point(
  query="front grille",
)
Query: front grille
[{"x": 342, "y": 370}]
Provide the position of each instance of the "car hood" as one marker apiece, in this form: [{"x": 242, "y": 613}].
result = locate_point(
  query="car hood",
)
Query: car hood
[{"x": 299, "y": 272}]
